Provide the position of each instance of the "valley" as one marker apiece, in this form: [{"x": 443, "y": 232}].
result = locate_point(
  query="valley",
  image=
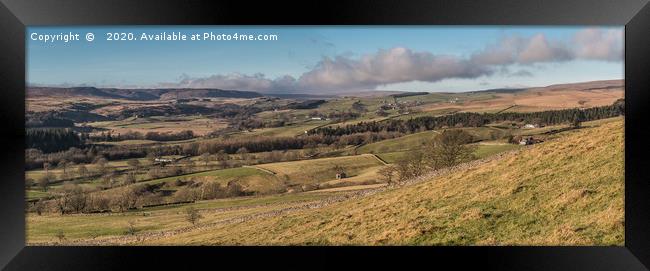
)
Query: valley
[{"x": 227, "y": 167}]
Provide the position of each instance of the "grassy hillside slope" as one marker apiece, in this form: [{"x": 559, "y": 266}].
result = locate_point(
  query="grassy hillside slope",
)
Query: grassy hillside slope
[
  {"x": 319, "y": 170},
  {"x": 568, "y": 191}
]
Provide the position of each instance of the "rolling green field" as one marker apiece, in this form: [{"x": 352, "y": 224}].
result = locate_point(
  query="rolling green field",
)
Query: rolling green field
[
  {"x": 417, "y": 140},
  {"x": 287, "y": 131},
  {"x": 564, "y": 192},
  {"x": 404, "y": 143},
  {"x": 319, "y": 170},
  {"x": 198, "y": 124},
  {"x": 566, "y": 189},
  {"x": 482, "y": 151},
  {"x": 216, "y": 175},
  {"x": 89, "y": 227}
]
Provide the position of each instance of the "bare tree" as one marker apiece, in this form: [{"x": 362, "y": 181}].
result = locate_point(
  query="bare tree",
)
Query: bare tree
[
  {"x": 222, "y": 155},
  {"x": 387, "y": 173},
  {"x": 187, "y": 194},
  {"x": 127, "y": 198},
  {"x": 154, "y": 172},
  {"x": 130, "y": 178},
  {"x": 101, "y": 164},
  {"x": 78, "y": 199},
  {"x": 192, "y": 215},
  {"x": 99, "y": 202},
  {"x": 108, "y": 180},
  {"x": 45, "y": 180},
  {"x": 134, "y": 164},
  {"x": 449, "y": 148},
  {"x": 64, "y": 165},
  {"x": 82, "y": 171},
  {"x": 212, "y": 190},
  {"x": 411, "y": 166},
  {"x": 151, "y": 157},
  {"x": 243, "y": 151},
  {"x": 62, "y": 202},
  {"x": 39, "y": 206},
  {"x": 234, "y": 189},
  {"x": 190, "y": 166},
  {"x": 205, "y": 157}
]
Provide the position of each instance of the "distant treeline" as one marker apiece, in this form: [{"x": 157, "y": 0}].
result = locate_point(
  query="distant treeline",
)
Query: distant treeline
[
  {"x": 48, "y": 121},
  {"x": 308, "y": 104},
  {"x": 182, "y": 135},
  {"x": 64, "y": 118},
  {"x": 51, "y": 139},
  {"x": 134, "y": 135},
  {"x": 476, "y": 120},
  {"x": 35, "y": 158},
  {"x": 257, "y": 144},
  {"x": 264, "y": 144},
  {"x": 408, "y": 94}
]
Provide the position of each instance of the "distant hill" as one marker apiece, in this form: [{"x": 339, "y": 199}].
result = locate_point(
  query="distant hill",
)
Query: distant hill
[
  {"x": 499, "y": 90},
  {"x": 585, "y": 86},
  {"x": 138, "y": 94},
  {"x": 370, "y": 93}
]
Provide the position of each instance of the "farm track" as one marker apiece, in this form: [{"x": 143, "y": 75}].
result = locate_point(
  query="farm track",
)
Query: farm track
[{"x": 149, "y": 236}]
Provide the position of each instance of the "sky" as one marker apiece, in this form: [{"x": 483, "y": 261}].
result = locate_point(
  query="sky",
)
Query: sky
[{"x": 321, "y": 60}]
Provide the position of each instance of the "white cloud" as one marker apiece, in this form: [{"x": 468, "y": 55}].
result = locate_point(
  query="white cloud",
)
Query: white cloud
[
  {"x": 587, "y": 44},
  {"x": 386, "y": 67},
  {"x": 598, "y": 44},
  {"x": 235, "y": 81},
  {"x": 400, "y": 64},
  {"x": 539, "y": 49}
]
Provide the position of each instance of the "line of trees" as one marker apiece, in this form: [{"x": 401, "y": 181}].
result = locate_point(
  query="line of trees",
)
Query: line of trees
[
  {"x": 469, "y": 119},
  {"x": 134, "y": 135},
  {"x": 35, "y": 158},
  {"x": 51, "y": 139},
  {"x": 73, "y": 198}
]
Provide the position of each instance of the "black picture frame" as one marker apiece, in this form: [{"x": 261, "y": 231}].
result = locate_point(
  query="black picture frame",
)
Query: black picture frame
[{"x": 15, "y": 15}]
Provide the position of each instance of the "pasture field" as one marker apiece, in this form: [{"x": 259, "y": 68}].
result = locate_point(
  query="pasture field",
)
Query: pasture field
[
  {"x": 220, "y": 175},
  {"x": 319, "y": 170},
  {"x": 482, "y": 151},
  {"x": 116, "y": 164},
  {"x": 553, "y": 97},
  {"x": 565, "y": 189},
  {"x": 197, "y": 124},
  {"x": 404, "y": 143},
  {"x": 252, "y": 179},
  {"x": 93, "y": 228},
  {"x": 286, "y": 131},
  {"x": 561, "y": 192},
  {"x": 417, "y": 140}
]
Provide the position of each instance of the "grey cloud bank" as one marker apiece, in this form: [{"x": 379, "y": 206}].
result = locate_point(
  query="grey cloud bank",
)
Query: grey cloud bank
[{"x": 400, "y": 64}]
